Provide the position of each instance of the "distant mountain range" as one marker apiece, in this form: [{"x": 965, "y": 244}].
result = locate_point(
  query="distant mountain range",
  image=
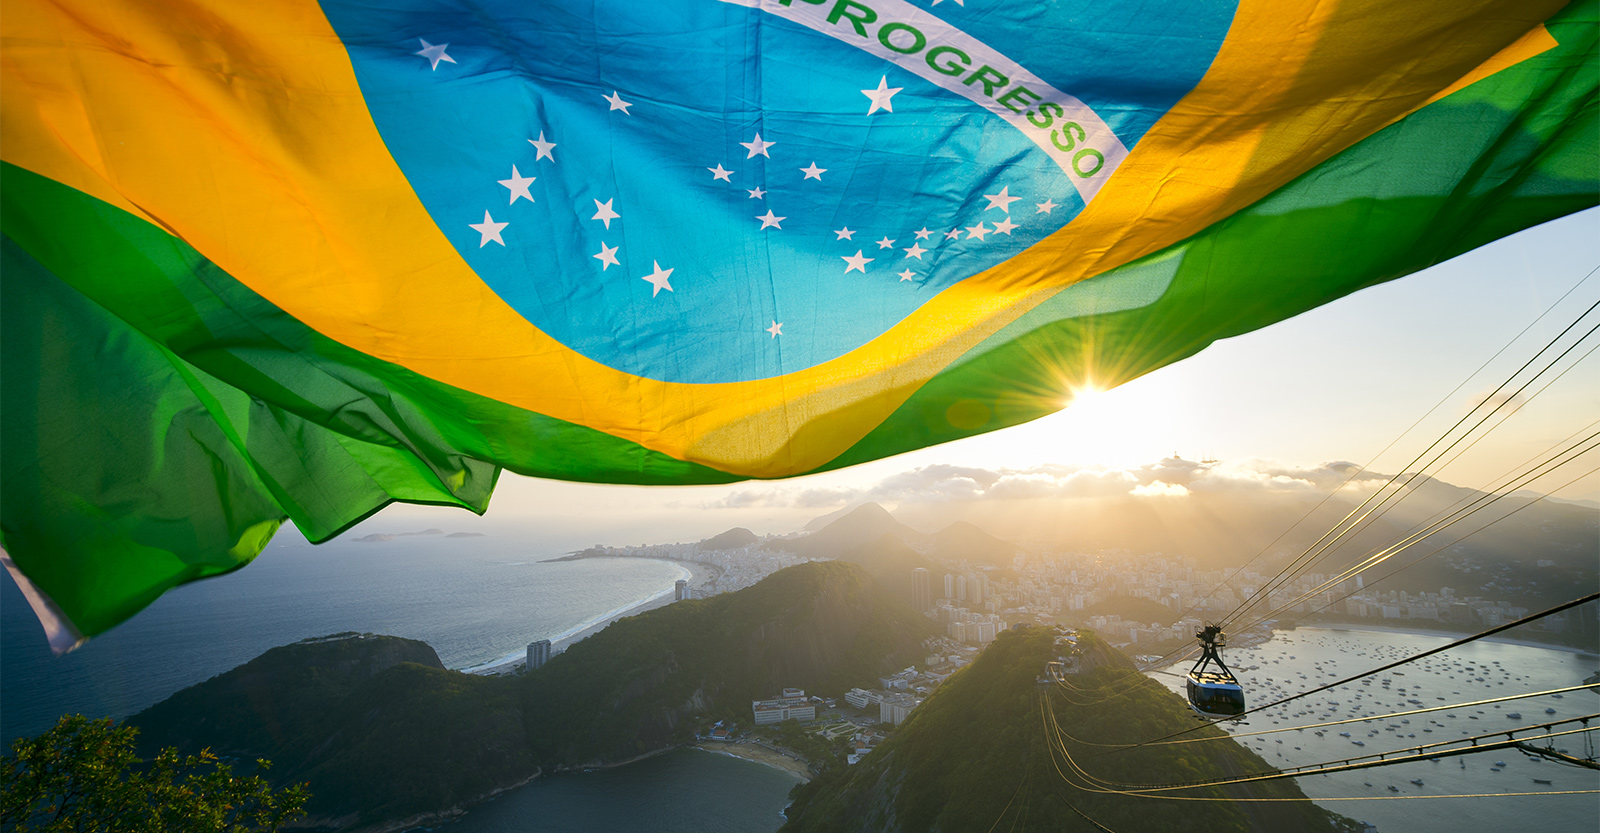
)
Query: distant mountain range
[{"x": 1521, "y": 549}]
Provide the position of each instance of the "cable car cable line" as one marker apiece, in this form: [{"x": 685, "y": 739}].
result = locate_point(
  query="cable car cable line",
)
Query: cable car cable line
[
  {"x": 1188, "y": 651},
  {"x": 1340, "y": 530},
  {"x": 1444, "y": 547},
  {"x": 1089, "y": 787},
  {"x": 1410, "y": 754},
  {"x": 1484, "y": 500},
  {"x": 1346, "y": 526},
  {"x": 1349, "y": 720},
  {"x": 1509, "y": 485},
  {"x": 1397, "y": 663},
  {"x": 1122, "y": 686},
  {"x": 1392, "y": 443}
]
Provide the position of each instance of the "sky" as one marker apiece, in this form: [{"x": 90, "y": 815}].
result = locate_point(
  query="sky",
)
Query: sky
[{"x": 1338, "y": 383}]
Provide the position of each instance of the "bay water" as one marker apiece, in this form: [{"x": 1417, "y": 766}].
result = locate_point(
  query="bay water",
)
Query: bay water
[
  {"x": 1416, "y": 797},
  {"x": 476, "y": 600}
]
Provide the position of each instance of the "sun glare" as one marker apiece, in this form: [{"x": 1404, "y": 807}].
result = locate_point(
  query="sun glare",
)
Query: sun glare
[{"x": 1083, "y": 396}]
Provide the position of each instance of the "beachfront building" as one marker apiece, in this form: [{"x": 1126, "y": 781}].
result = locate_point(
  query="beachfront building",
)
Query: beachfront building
[
  {"x": 861, "y": 698},
  {"x": 680, "y": 590},
  {"x": 792, "y": 705},
  {"x": 921, "y": 591},
  {"x": 895, "y": 708},
  {"x": 538, "y": 654}
]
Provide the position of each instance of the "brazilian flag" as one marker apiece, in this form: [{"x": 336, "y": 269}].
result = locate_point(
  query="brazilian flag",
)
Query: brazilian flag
[{"x": 297, "y": 260}]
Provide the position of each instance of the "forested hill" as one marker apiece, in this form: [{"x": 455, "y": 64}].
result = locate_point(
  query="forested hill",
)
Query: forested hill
[
  {"x": 387, "y": 738},
  {"x": 989, "y": 751}
]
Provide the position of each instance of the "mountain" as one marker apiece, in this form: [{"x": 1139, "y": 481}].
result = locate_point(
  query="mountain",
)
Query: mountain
[
  {"x": 989, "y": 750},
  {"x": 388, "y": 739},
  {"x": 890, "y": 562},
  {"x": 1496, "y": 552},
  {"x": 961, "y": 541},
  {"x": 733, "y": 539},
  {"x": 862, "y": 526}
]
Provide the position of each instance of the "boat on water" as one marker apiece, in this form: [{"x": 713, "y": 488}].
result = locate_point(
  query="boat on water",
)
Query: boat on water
[
  {"x": 1417, "y": 781},
  {"x": 1544, "y": 781}
]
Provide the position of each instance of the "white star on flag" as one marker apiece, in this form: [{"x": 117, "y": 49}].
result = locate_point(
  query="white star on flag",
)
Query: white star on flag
[
  {"x": 856, "y": 262},
  {"x": 607, "y": 256},
  {"x": 915, "y": 251},
  {"x": 977, "y": 231},
  {"x": 518, "y": 185},
  {"x": 603, "y": 212},
  {"x": 776, "y": 329},
  {"x": 489, "y": 229},
  {"x": 617, "y": 103},
  {"x": 1004, "y": 227},
  {"x": 922, "y": 233},
  {"x": 1002, "y": 200},
  {"x": 885, "y": 242},
  {"x": 813, "y": 172},
  {"x": 880, "y": 96},
  {"x": 658, "y": 279},
  {"x": 543, "y": 147},
  {"x": 756, "y": 193},
  {"x": 953, "y": 234},
  {"x": 770, "y": 221},
  {"x": 718, "y": 173},
  {"x": 845, "y": 233},
  {"x": 756, "y": 146},
  {"x": 434, "y": 53},
  {"x": 1045, "y": 207},
  {"x": 907, "y": 275}
]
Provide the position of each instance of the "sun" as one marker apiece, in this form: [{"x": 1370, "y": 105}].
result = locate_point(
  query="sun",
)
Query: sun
[{"x": 1083, "y": 395}]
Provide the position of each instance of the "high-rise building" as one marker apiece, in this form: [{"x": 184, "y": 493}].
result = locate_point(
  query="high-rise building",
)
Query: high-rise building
[
  {"x": 961, "y": 588},
  {"x": 949, "y": 586},
  {"x": 538, "y": 654},
  {"x": 681, "y": 589},
  {"x": 974, "y": 589},
  {"x": 921, "y": 592}
]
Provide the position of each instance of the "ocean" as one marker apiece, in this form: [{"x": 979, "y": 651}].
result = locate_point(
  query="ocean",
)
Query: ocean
[
  {"x": 1408, "y": 798},
  {"x": 477, "y": 601}
]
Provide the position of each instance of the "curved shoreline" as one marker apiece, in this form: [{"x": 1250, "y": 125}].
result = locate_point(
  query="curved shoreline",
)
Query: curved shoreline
[
  {"x": 756, "y": 755},
  {"x": 693, "y": 572}
]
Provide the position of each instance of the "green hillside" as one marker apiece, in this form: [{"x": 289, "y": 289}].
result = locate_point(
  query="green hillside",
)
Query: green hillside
[
  {"x": 989, "y": 751},
  {"x": 382, "y": 733}
]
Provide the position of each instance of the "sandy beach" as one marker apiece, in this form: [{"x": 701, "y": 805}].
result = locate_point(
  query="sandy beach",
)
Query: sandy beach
[
  {"x": 698, "y": 574},
  {"x": 758, "y": 754}
]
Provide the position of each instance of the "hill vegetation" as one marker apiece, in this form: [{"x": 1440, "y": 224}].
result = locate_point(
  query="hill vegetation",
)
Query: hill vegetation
[
  {"x": 387, "y": 738},
  {"x": 988, "y": 750}
]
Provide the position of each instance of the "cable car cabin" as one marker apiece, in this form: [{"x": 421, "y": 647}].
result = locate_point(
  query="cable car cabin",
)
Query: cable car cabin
[{"x": 1215, "y": 694}]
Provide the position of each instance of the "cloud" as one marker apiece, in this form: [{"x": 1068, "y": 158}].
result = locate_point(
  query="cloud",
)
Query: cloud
[
  {"x": 751, "y": 498},
  {"x": 1159, "y": 488},
  {"x": 1169, "y": 477},
  {"x": 1490, "y": 400}
]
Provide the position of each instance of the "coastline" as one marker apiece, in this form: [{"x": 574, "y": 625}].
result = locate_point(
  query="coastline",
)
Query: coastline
[
  {"x": 697, "y": 576},
  {"x": 756, "y": 754}
]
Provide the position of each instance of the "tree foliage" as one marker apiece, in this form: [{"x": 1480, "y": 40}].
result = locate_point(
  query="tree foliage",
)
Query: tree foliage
[{"x": 83, "y": 775}]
